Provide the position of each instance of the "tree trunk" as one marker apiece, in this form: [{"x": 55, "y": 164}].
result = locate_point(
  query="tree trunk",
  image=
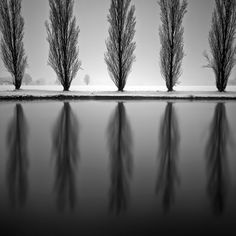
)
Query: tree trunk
[
  {"x": 17, "y": 84},
  {"x": 220, "y": 83},
  {"x": 66, "y": 88},
  {"x": 120, "y": 89},
  {"x": 170, "y": 88},
  {"x": 120, "y": 66},
  {"x": 66, "y": 84}
]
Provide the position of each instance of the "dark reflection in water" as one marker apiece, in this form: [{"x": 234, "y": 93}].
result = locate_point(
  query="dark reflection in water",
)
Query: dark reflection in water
[
  {"x": 216, "y": 154},
  {"x": 169, "y": 139},
  {"x": 66, "y": 154},
  {"x": 187, "y": 215},
  {"x": 17, "y": 163},
  {"x": 120, "y": 146}
]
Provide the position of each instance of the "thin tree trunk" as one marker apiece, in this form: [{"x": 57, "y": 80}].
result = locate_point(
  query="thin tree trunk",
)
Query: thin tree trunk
[{"x": 170, "y": 88}]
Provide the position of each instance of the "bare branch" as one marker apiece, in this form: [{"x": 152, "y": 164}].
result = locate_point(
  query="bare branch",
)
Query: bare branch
[
  {"x": 120, "y": 46},
  {"x": 221, "y": 41},
  {"x": 171, "y": 37},
  {"x": 12, "y": 46},
  {"x": 63, "y": 39}
]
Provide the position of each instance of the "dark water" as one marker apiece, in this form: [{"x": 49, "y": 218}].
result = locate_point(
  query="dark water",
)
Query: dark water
[{"x": 117, "y": 168}]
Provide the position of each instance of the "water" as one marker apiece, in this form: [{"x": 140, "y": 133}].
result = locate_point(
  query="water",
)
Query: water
[{"x": 117, "y": 168}]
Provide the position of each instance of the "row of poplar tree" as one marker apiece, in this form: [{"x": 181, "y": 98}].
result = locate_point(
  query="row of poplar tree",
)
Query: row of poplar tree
[{"x": 63, "y": 33}]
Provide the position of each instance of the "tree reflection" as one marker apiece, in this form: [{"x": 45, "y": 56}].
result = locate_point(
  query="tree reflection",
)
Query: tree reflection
[
  {"x": 120, "y": 147},
  {"x": 216, "y": 154},
  {"x": 66, "y": 154},
  {"x": 168, "y": 155},
  {"x": 17, "y": 163}
]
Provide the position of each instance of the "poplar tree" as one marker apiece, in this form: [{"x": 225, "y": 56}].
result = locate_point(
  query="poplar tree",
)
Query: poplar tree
[
  {"x": 12, "y": 46},
  {"x": 120, "y": 46},
  {"x": 221, "y": 41},
  {"x": 171, "y": 37},
  {"x": 63, "y": 39}
]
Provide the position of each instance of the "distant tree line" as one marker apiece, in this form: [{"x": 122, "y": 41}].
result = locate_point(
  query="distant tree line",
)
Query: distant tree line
[{"x": 63, "y": 33}]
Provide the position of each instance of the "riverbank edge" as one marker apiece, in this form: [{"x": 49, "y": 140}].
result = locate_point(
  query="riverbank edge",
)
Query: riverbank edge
[{"x": 127, "y": 95}]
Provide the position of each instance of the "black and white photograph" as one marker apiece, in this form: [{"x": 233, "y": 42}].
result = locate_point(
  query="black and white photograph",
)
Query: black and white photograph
[{"x": 117, "y": 117}]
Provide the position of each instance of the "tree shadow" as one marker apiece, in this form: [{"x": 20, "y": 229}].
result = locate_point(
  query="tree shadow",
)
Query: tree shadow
[
  {"x": 216, "y": 157},
  {"x": 17, "y": 163},
  {"x": 121, "y": 160},
  {"x": 66, "y": 154},
  {"x": 168, "y": 176}
]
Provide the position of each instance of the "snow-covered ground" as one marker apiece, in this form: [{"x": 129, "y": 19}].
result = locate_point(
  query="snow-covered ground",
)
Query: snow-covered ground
[
  {"x": 46, "y": 88},
  {"x": 105, "y": 92}
]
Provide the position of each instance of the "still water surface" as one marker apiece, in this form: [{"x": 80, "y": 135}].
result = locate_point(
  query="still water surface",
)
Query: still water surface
[{"x": 117, "y": 168}]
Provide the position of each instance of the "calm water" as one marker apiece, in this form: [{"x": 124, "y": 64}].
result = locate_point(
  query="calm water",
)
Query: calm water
[{"x": 117, "y": 168}]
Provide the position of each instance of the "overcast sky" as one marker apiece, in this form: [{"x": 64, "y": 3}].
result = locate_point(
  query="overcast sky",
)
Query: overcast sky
[{"x": 92, "y": 19}]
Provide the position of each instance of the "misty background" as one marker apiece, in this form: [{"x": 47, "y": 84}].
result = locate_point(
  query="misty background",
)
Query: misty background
[{"x": 92, "y": 19}]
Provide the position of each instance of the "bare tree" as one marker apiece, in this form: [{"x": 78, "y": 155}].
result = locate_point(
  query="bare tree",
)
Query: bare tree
[
  {"x": 171, "y": 36},
  {"x": 12, "y": 46},
  {"x": 87, "y": 79},
  {"x": 63, "y": 39},
  {"x": 120, "y": 46},
  {"x": 221, "y": 40}
]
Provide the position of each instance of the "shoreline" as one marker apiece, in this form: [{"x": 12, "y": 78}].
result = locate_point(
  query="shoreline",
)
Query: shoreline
[
  {"x": 40, "y": 94},
  {"x": 29, "y": 93}
]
